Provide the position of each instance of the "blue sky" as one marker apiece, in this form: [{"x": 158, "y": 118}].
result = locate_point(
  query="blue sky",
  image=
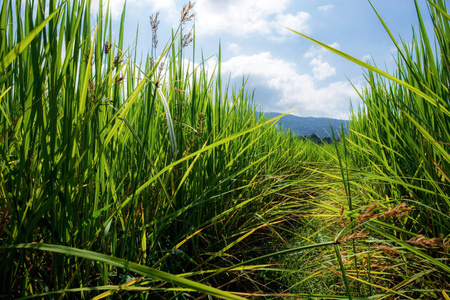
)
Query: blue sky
[{"x": 287, "y": 72}]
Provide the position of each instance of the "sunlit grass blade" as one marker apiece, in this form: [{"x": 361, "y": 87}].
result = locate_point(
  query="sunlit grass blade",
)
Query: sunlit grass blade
[
  {"x": 20, "y": 47},
  {"x": 428, "y": 98}
]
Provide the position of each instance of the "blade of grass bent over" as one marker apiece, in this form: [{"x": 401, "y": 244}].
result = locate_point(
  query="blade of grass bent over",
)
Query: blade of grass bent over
[
  {"x": 12, "y": 55},
  {"x": 129, "y": 266},
  {"x": 378, "y": 71}
]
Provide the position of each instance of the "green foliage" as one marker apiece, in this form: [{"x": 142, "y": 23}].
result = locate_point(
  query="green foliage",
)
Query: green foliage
[
  {"x": 119, "y": 168},
  {"x": 149, "y": 179},
  {"x": 393, "y": 224}
]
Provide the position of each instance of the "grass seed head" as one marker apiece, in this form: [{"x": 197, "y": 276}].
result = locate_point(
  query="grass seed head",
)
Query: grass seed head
[
  {"x": 388, "y": 250},
  {"x": 399, "y": 211},
  {"x": 154, "y": 22},
  {"x": 187, "y": 39},
  {"x": 117, "y": 59},
  {"x": 424, "y": 242},
  {"x": 186, "y": 14},
  {"x": 355, "y": 236},
  {"x": 152, "y": 62},
  {"x": 178, "y": 90},
  {"x": 368, "y": 214},
  {"x": 107, "y": 47},
  {"x": 119, "y": 79}
]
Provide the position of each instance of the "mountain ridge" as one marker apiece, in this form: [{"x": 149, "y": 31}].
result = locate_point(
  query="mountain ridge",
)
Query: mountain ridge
[{"x": 310, "y": 125}]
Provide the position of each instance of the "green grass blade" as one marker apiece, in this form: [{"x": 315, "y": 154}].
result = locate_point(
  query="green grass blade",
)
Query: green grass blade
[
  {"x": 129, "y": 266},
  {"x": 20, "y": 47},
  {"x": 430, "y": 99}
]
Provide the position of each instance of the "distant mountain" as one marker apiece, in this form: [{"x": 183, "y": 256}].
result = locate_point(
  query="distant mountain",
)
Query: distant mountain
[{"x": 308, "y": 125}]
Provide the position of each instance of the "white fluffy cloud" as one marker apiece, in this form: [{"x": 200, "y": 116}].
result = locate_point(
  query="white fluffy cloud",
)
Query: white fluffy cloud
[
  {"x": 295, "y": 90},
  {"x": 234, "y": 48},
  {"x": 321, "y": 70},
  {"x": 298, "y": 22},
  {"x": 366, "y": 58},
  {"x": 245, "y": 17},
  {"x": 326, "y": 7},
  {"x": 135, "y": 7}
]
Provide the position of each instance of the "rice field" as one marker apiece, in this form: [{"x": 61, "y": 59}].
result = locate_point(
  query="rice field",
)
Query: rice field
[{"x": 153, "y": 178}]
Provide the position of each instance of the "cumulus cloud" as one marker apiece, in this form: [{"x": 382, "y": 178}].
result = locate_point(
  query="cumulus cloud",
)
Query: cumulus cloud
[
  {"x": 135, "y": 7},
  {"x": 245, "y": 17},
  {"x": 298, "y": 22},
  {"x": 294, "y": 89},
  {"x": 325, "y": 7},
  {"x": 321, "y": 70},
  {"x": 367, "y": 57},
  {"x": 234, "y": 48}
]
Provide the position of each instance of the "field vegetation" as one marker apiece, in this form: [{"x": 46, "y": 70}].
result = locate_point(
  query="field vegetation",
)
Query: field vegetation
[{"x": 152, "y": 178}]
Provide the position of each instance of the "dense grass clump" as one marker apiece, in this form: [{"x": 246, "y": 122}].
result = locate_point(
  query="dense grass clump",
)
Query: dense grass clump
[
  {"x": 117, "y": 173},
  {"x": 150, "y": 178},
  {"x": 393, "y": 225}
]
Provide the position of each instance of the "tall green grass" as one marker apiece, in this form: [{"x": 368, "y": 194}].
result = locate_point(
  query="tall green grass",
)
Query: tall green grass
[
  {"x": 392, "y": 225},
  {"x": 121, "y": 175},
  {"x": 151, "y": 178}
]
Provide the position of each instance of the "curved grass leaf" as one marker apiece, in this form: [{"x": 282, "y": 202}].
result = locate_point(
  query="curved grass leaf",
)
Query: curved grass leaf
[
  {"x": 428, "y": 98},
  {"x": 20, "y": 47},
  {"x": 173, "y": 141},
  {"x": 129, "y": 266}
]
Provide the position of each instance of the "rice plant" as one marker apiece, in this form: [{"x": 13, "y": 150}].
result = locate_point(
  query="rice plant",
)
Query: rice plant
[
  {"x": 392, "y": 223},
  {"x": 150, "y": 178},
  {"x": 127, "y": 177}
]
